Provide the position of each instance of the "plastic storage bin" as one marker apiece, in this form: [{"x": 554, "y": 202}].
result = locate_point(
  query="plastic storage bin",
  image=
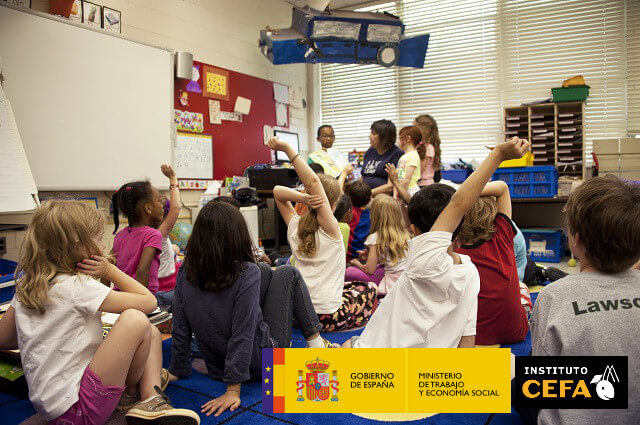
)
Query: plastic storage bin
[
  {"x": 456, "y": 176},
  {"x": 530, "y": 182},
  {"x": 547, "y": 245},
  {"x": 525, "y": 161},
  {"x": 7, "y": 268},
  {"x": 570, "y": 94}
]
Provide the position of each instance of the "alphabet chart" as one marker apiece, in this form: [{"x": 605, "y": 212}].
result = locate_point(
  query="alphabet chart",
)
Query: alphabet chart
[{"x": 193, "y": 156}]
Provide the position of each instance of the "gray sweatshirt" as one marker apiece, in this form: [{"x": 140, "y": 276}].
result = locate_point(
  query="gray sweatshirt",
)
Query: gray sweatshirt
[{"x": 591, "y": 314}]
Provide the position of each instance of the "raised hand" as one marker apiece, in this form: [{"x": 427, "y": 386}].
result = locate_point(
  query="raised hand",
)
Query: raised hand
[
  {"x": 392, "y": 172},
  {"x": 277, "y": 144},
  {"x": 513, "y": 148},
  {"x": 313, "y": 201},
  {"x": 167, "y": 170}
]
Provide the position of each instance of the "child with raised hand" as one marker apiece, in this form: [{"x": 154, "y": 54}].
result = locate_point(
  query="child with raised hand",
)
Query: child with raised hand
[
  {"x": 434, "y": 302},
  {"x": 167, "y": 267},
  {"x": 317, "y": 246},
  {"x": 386, "y": 245},
  {"x": 137, "y": 247},
  {"x": 597, "y": 311},
  {"x": 234, "y": 306},
  {"x": 486, "y": 237},
  {"x": 74, "y": 375}
]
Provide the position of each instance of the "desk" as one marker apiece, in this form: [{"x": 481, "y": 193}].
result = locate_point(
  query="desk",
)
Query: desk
[
  {"x": 278, "y": 223},
  {"x": 539, "y": 212}
]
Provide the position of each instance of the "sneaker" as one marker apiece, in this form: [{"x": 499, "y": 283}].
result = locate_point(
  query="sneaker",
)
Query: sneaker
[
  {"x": 329, "y": 344},
  {"x": 158, "y": 410},
  {"x": 128, "y": 401}
]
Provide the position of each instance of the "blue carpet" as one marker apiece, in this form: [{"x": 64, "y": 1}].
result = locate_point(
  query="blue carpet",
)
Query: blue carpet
[{"x": 198, "y": 388}]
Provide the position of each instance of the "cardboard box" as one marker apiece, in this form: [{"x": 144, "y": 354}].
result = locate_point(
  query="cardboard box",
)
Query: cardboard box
[
  {"x": 606, "y": 146},
  {"x": 630, "y": 145}
]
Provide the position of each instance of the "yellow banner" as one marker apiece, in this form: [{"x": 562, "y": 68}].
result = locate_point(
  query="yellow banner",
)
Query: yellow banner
[{"x": 394, "y": 380}]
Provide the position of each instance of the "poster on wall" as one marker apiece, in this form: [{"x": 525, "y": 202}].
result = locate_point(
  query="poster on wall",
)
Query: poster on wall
[
  {"x": 188, "y": 121},
  {"x": 215, "y": 83},
  {"x": 282, "y": 118},
  {"x": 111, "y": 20},
  {"x": 214, "y": 112},
  {"x": 91, "y": 14},
  {"x": 193, "y": 85},
  {"x": 76, "y": 11}
]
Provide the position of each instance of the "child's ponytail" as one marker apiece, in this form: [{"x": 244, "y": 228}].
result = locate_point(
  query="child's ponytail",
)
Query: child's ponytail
[
  {"x": 116, "y": 212},
  {"x": 431, "y": 136}
]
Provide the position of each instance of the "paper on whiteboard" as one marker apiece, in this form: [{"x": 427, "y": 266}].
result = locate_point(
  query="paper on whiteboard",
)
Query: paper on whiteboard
[
  {"x": 281, "y": 93},
  {"x": 214, "y": 112},
  {"x": 193, "y": 156},
  {"x": 17, "y": 187},
  {"x": 243, "y": 105},
  {"x": 281, "y": 114}
]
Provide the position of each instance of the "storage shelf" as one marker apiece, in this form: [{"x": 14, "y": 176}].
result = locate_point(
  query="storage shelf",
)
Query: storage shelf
[{"x": 556, "y": 133}]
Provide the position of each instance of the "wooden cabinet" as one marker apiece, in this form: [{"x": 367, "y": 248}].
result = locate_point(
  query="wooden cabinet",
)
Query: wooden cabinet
[{"x": 556, "y": 134}]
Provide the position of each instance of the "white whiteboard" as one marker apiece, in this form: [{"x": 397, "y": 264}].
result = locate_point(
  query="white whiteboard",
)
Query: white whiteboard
[
  {"x": 93, "y": 110},
  {"x": 193, "y": 156}
]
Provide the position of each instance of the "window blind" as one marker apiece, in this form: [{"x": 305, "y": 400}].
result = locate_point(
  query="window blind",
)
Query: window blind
[
  {"x": 545, "y": 42},
  {"x": 633, "y": 66},
  {"x": 487, "y": 54}
]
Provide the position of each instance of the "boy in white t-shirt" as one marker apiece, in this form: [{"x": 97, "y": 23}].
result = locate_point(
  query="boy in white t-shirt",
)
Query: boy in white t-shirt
[{"x": 434, "y": 303}]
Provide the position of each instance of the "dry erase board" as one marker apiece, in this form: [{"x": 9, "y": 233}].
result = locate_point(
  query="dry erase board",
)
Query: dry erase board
[
  {"x": 193, "y": 156},
  {"x": 94, "y": 110}
]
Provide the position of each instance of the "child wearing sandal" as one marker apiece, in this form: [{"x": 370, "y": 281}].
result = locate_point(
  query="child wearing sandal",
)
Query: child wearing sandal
[
  {"x": 318, "y": 248},
  {"x": 74, "y": 375},
  {"x": 234, "y": 306}
]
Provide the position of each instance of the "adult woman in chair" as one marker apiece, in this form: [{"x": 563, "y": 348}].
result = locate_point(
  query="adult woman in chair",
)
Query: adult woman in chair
[{"x": 383, "y": 151}]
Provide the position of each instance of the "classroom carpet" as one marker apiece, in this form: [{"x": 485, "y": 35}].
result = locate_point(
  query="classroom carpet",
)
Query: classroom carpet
[{"x": 198, "y": 388}]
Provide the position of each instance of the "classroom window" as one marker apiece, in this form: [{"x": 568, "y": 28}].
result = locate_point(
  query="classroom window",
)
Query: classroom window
[{"x": 484, "y": 55}]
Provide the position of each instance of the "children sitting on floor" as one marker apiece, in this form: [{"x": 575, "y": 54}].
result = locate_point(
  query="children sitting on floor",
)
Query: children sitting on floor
[
  {"x": 234, "y": 310},
  {"x": 74, "y": 375},
  {"x": 317, "y": 246},
  {"x": 137, "y": 247},
  {"x": 597, "y": 311},
  {"x": 435, "y": 300},
  {"x": 487, "y": 238},
  {"x": 360, "y": 194},
  {"x": 386, "y": 245}
]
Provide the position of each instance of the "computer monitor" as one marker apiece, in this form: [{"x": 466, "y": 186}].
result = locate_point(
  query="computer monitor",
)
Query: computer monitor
[{"x": 291, "y": 139}]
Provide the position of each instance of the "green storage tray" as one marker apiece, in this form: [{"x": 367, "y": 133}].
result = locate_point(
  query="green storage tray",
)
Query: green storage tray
[{"x": 570, "y": 94}]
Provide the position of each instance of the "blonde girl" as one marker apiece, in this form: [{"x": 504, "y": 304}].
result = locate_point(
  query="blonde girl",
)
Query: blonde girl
[
  {"x": 74, "y": 375},
  {"x": 387, "y": 245},
  {"x": 430, "y": 162},
  {"x": 318, "y": 249}
]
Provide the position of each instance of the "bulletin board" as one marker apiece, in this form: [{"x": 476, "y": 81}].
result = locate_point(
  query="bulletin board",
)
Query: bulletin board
[{"x": 236, "y": 145}]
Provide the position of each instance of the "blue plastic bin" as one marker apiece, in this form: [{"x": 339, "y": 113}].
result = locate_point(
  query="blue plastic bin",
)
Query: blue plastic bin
[
  {"x": 530, "y": 182},
  {"x": 7, "y": 268},
  {"x": 548, "y": 244},
  {"x": 455, "y": 175}
]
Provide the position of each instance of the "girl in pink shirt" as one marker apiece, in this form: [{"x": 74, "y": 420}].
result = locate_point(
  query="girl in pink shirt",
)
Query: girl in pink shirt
[{"x": 137, "y": 247}]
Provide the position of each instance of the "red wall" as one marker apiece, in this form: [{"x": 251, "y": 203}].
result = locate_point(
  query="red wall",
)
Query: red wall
[{"x": 236, "y": 145}]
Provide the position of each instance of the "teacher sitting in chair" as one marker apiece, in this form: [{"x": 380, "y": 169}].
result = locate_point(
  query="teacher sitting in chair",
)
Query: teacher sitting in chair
[{"x": 383, "y": 151}]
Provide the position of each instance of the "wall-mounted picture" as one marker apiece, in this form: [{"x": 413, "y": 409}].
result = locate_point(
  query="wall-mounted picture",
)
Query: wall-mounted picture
[
  {"x": 76, "y": 11},
  {"x": 111, "y": 20},
  {"x": 91, "y": 14},
  {"x": 23, "y": 3}
]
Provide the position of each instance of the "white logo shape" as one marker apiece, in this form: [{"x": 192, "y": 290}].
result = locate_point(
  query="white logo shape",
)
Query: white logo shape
[{"x": 604, "y": 386}]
